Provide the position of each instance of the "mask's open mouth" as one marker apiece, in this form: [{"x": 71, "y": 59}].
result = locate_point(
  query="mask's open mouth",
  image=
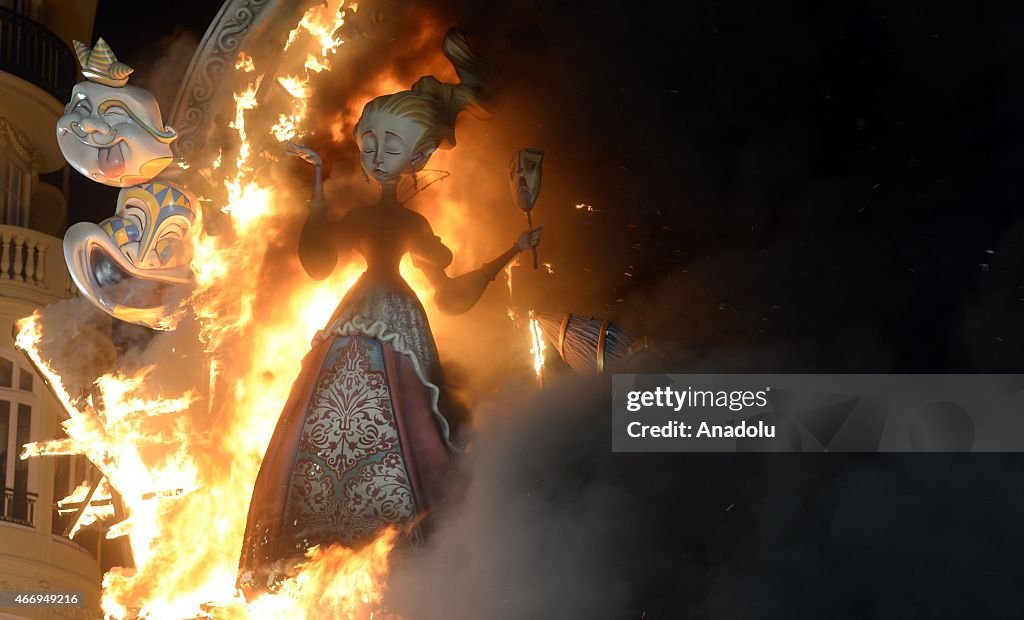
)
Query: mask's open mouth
[
  {"x": 120, "y": 288},
  {"x": 109, "y": 279}
]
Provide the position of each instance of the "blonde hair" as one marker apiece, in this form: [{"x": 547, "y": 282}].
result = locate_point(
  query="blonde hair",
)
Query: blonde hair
[{"x": 434, "y": 105}]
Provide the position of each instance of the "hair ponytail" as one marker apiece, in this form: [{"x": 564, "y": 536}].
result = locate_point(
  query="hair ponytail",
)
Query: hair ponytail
[
  {"x": 475, "y": 91},
  {"x": 436, "y": 105}
]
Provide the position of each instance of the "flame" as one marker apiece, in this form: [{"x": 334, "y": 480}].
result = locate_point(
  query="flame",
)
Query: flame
[
  {"x": 320, "y": 22},
  {"x": 334, "y": 578},
  {"x": 183, "y": 464},
  {"x": 286, "y": 127},
  {"x": 315, "y": 64},
  {"x": 118, "y": 435},
  {"x": 508, "y": 273},
  {"x": 101, "y": 506},
  {"x": 244, "y": 101},
  {"x": 182, "y": 486},
  {"x": 245, "y": 63},
  {"x": 296, "y": 87},
  {"x": 537, "y": 348}
]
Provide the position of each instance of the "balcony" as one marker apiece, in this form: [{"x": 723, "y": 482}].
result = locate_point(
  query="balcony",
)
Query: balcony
[
  {"x": 32, "y": 266},
  {"x": 18, "y": 507},
  {"x": 36, "y": 55}
]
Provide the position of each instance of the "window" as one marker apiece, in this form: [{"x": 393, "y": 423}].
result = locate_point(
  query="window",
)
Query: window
[
  {"x": 6, "y": 373},
  {"x": 19, "y": 499},
  {"x": 25, "y": 380},
  {"x": 20, "y": 508}
]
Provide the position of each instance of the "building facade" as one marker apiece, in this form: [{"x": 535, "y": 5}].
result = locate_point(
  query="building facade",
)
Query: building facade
[{"x": 37, "y": 71}]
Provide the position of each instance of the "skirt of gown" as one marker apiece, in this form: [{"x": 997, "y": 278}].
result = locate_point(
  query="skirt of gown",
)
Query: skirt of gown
[{"x": 360, "y": 443}]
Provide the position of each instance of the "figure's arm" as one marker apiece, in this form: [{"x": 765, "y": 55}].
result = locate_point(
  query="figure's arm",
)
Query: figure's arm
[
  {"x": 318, "y": 252},
  {"x": 459, "y": 294}
]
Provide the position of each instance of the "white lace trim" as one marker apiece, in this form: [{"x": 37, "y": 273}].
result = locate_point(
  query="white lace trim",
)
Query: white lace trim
[{"x": 379, "y": 330}]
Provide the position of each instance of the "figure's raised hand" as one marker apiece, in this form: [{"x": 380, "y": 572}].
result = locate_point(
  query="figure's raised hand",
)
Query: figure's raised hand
[
  {"x": 529, "y": 238},
  {"x": 303, "y": 152}
]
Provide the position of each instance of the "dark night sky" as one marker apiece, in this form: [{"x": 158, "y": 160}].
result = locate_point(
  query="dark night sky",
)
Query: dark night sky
[
  {"x": 832, "y": 187},
  {"x": 841, "y": 178}
]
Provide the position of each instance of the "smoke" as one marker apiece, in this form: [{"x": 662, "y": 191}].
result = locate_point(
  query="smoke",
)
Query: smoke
[
  {"x": 776, "y": 207},
  {"x": 521, "y": 542},
  {"x": 552, "y": 524},
  {"x": 161, "y": 68},
  {"x": 84, "y": 343},
  {"x": 76, "y": 332}
]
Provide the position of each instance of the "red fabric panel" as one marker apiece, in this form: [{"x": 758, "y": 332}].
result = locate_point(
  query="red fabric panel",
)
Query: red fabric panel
[{"x": 426, "y": 457}]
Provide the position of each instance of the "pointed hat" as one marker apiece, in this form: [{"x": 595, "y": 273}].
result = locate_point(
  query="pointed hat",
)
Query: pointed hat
[{"x": 100, "y": 65}]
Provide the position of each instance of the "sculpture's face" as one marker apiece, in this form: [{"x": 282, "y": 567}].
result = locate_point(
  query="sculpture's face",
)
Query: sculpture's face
[
  {"x": 114, "y": 136},
  {"x": 524, "y": 177},
  {"x": 135, "y": 265},
  {"x": 387, "y": 141}
]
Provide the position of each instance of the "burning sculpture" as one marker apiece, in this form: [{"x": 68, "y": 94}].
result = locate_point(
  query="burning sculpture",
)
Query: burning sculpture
[
  {"x": 134, "y": 265},
  {"x": 364, "y": 441},
  {"x": 178, "y": 451}
]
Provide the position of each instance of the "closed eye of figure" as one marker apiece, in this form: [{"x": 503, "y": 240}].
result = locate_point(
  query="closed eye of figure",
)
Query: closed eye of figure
[{"x": 115, "y": 110}]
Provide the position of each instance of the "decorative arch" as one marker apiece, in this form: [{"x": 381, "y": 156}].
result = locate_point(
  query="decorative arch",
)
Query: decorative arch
[{"x": 205, "y": 92}]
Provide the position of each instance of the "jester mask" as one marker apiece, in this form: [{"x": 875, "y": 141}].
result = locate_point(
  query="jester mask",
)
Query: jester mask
[
  {"x": 135, "y": 265},
  {"x": 112, "y": 132},
  {"x": 524, "y": 177}
]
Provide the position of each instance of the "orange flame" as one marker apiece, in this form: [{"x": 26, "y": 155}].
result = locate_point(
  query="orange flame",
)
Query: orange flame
[
  {"x": 245, "y": 63},
  {"x": 537, "y": 348},
  {"x": 182, "y": 484},
  {"x": 182, "y": 487},
  {"x": 336, "y": 578}
]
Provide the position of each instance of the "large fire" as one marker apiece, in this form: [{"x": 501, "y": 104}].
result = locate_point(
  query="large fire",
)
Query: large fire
[{"x": 184, "y": 488}]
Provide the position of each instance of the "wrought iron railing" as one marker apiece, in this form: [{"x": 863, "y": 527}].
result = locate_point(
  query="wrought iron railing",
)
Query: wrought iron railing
[
  {"x": 18, "y": 507},
  {"x": 33, "y": 53}
]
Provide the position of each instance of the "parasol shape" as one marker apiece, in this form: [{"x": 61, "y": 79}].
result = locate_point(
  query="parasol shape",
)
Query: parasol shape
[{"x": 587, "y": 345}]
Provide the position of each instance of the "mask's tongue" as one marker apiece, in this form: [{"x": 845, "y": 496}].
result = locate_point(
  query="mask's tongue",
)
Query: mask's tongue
[{"x": 111, "y": 160}]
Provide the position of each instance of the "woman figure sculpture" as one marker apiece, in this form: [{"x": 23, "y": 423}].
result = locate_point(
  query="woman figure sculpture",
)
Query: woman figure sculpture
[{"x": 364, "y": 441}]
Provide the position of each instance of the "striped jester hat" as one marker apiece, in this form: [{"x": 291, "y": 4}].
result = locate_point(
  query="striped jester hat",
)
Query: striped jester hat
[{"x": 100, "y": 65}]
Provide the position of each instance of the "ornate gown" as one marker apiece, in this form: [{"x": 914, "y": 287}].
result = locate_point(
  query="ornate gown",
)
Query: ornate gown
[{"x": 361, "y": 442}]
